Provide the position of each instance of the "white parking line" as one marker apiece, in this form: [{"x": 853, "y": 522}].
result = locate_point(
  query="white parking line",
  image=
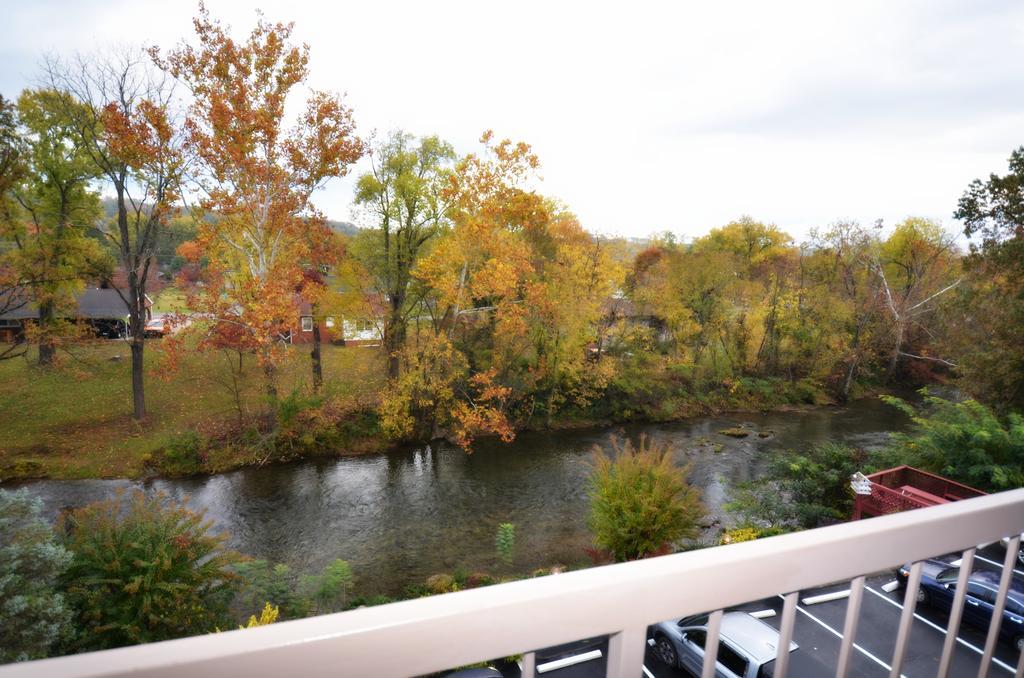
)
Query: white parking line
[
  {"x": 568, "y": 661},
  {"x": 839, "y": 635},
  {"x": 940, "y": 629},
  {"x": 992, "y": 562},
  {"x": 826, "y": 597}
]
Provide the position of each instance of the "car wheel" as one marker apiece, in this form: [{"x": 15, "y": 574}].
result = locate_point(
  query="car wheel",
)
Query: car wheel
[
  {"x": 1020, "y": 556},
  {"x": 923, "y": 597},
  {"x": 1019, "y": 642},
  {"x": 665, "y": 651}
]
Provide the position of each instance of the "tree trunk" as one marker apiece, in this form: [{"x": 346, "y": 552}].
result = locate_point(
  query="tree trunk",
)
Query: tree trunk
[
  {"x": 136, "y": 302},
  {"x": 47, "y": 349},
  {"x": 314, "y": 355},
  {"x": 394, "y": 341},
  {"x": 138, "y": 385},
  {"x": 851, "y": 369},
  {"x": 270, "y": 387},
  {"x": 896, "y": 349},
  {"x": 137, "y": 328},
  {"x": 270, "y": 382}
]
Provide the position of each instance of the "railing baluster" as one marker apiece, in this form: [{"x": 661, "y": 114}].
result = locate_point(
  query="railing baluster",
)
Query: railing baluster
[
  {"x": 711, "y": 644},
  {"x": 626, "y": 652},
  {"x": 850, "y": 626},
  {"x": 529, "y": 669},
  {"x": 906, "y": 619},
  {"x": 997, "y": 611},
  {"x": 786, "y": 633},
  {"x": 956, "y": 613}
]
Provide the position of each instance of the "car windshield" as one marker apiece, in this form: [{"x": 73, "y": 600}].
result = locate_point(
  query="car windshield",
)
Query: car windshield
[
  {"x": 694, "y": 620},
  {"x": 767, "y": 669},
  {"x": 948, "y": 575}
]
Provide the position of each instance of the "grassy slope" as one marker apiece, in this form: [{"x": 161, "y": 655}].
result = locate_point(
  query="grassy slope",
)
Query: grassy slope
[{"x": 75, "y": 421}]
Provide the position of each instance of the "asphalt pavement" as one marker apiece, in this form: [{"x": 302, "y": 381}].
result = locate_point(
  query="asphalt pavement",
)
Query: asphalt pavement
[{"x": 818, "y": 631}]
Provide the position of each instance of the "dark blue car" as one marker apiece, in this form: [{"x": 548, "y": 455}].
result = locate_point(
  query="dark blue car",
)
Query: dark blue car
[{"x": 938, "y": 586}]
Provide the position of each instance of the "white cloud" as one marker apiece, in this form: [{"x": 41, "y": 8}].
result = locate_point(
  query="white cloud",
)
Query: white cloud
[{"x": 651, "y": 116}]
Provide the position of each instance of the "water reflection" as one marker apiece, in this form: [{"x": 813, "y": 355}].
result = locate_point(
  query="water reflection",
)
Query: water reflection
[{"x": 401, "y": 516}]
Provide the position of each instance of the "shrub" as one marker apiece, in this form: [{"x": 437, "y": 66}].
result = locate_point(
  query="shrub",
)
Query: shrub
[
  {"x": 965, "y": 441},
  {"x": 268, "y": 615},
  {"x": 33, "y": 616},
  {"x": 441, "y": 583},
  {"x": 801, "y": 489},
  {"x": 372, "y": 601},
  {"x": 143, "y": 570},
  {"x": 477, "y": 579},
  {"x": 740, "y": 534},
  {"x": 505, "y": 542},
  {"x": 276, "y": 584},
  {"x": 295, "y": 596},
  {"x": 640, "y": 502},
  {"x": 182, "y": 454},
  {"x": 329, "y": 591}
]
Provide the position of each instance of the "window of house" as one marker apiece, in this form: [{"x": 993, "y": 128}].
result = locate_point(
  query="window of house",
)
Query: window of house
[
  {"x": 307, "y": 323},
  {"x": 329, "y": 321},
  {"x": 7, "y": 322}
]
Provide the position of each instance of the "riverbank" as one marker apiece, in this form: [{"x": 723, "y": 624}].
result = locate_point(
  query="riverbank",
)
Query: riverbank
[
  {"x": 74, "y": 422},
  {"x": 406, "y": 514}
]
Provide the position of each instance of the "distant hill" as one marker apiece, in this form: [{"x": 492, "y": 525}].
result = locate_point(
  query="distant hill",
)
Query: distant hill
[{"x": 343, "y": 227}]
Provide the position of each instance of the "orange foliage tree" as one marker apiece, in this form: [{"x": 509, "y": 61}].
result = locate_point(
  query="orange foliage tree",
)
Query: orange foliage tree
[
  {"x": 516, "y": 290},
  {"x": 256, "y": 175},
  {"x": 122, "y": 116}
]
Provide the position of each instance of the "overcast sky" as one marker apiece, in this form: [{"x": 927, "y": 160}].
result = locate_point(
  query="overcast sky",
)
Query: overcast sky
[{"x": 647, "y": 117}]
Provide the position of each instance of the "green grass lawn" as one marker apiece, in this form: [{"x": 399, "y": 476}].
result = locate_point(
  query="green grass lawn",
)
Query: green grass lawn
[
  {"x": 170, "y": 300},
  {"x": 74, "y": 421}
]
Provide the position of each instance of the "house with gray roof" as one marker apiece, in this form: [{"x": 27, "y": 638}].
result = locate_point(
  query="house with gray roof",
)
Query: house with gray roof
[{"x": 102, "y": 308}]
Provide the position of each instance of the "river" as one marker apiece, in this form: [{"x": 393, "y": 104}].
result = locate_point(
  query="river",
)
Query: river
[{"x": 404, "y": 515}]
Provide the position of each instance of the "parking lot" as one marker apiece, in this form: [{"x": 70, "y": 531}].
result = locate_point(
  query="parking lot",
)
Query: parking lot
[{"x": 818, "y": 631}]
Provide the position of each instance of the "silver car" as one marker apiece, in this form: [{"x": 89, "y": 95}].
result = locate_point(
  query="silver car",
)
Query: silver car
[{"x": 746, "y": 646}]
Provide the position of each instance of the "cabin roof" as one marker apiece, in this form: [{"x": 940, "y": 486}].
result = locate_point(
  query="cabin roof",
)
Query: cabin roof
[{"x": 93, "y": 303}]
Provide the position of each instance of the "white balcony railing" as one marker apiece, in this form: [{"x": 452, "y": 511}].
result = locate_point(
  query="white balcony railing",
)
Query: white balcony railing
[{"x": 433, "y": 634}]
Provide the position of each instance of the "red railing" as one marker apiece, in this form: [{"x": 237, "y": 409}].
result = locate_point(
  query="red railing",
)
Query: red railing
[{"x": 904, "y": 488}]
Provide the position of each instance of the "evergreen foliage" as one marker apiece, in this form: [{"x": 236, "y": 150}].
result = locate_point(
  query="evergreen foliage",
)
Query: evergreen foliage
[{"x": 33, "y": 615}]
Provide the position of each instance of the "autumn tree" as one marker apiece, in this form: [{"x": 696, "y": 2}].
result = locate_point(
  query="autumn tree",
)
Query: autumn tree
[
  {"x": 844, "y": 260},
  {"x": 256, "y": 176},
  {"x": 120, "y": 112},
  {"x": 989, "y": 330},
  {"x": 762, "y": 261},
  {"x": 477, "y": 275},
  {"x": 578, "y": 267},
  {"x": 505, "y": 341},
  {"x": 402, "y": 193},
  {"x": 916, "y": 265},
  {"x": 13, "y": 295},
  {"x": 55, "y": 209},
  {"x": 324, "y": 255}
]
